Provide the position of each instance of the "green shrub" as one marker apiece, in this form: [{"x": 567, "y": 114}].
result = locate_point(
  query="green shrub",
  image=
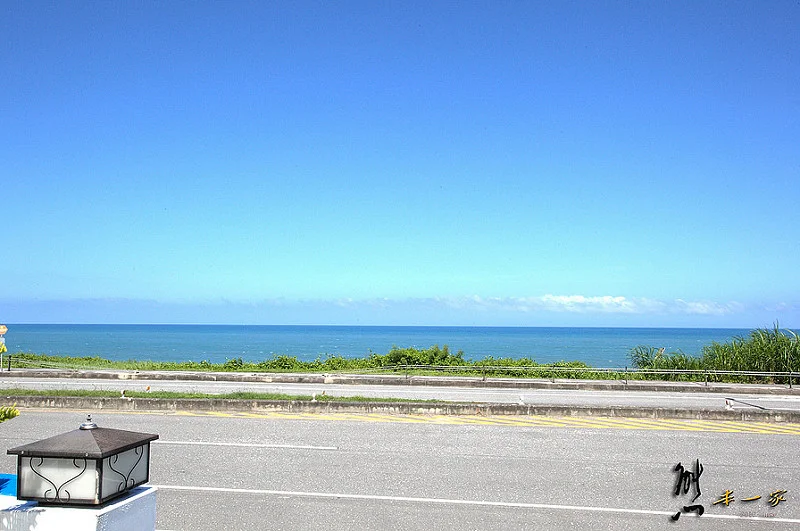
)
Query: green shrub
[
  {"x": 8, "y": 412},
  {"x": 234, "y": 364},
  {"x": 414, "y": 356},
  {"x": 281, "y": 363}
]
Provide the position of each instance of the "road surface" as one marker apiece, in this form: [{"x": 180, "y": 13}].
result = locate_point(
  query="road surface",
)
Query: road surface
[
  {"x": 538, "y": 397},
  {"x": 240, "y": 473}
]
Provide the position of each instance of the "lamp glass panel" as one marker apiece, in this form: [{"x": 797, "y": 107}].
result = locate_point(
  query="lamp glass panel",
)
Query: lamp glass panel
[
  {"x": 58, "y": 479},
  {"x": 125, "y": 470}
]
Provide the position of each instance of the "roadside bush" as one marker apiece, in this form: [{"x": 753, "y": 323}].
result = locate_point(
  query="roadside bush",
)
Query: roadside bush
[
  {"x": 8, "y": 412},
  {"x": 335, "y": 363},
  {"x": 281, "y": 363},
  {"x": 233, "y": 364},
  {"x": 414, "y": 356}
]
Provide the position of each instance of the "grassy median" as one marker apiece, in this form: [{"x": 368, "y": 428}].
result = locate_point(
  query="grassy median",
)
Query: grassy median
[{"x": 94, "y": 393}]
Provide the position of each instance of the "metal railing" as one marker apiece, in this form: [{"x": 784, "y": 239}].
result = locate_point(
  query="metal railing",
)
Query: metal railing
[
  {"x": 546, "y": 372},
  {"x": 612, "y": 373},
  {"x": 19, "y": 362}
]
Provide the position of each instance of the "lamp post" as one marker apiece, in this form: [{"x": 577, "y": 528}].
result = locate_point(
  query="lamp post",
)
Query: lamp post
[{"x": 87, "y": 466}]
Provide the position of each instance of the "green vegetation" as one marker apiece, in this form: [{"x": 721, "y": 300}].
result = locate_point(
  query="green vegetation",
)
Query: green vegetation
[
  {"x": 94, "y": 393},
  {"x": 280, "y": 363},
  {"x": 433, "y": 360},
  {"x": 763, "y": 350},
  {"x": 8, "y": 412}
]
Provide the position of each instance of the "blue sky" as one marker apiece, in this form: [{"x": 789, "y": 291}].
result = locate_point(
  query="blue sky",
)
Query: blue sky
[{"x": 476, "y": 163}]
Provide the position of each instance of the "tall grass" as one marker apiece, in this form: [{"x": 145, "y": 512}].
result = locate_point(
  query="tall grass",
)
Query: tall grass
[
  {"x": 767, "y": 350},
  {"x": 762, "y": 350}
]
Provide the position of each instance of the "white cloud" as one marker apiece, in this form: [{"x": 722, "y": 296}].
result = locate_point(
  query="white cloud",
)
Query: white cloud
[
  {"x": 581, "y": 303},
  {"x": 706, "y": 307},
  {"x": 607, "y": 304}
]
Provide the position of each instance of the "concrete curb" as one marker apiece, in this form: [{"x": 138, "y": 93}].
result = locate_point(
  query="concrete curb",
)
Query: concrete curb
[
  {"x": 397, "y": 408},
  {"x": 438, "y": 381}
]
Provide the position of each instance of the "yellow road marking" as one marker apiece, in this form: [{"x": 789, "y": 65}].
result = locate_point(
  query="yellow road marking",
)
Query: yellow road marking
[
  {"x": 619, "y": 423},
  {"x": 719, "y": 426},
  {"x": 763, "y": 428}
]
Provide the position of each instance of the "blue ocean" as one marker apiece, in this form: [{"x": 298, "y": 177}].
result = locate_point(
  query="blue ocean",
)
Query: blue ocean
[{"x": 598, "y": 347}]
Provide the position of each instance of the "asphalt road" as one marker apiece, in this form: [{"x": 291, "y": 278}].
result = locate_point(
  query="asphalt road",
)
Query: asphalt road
[
  {"x": 257, "y": 473},
  {"x": 539, "y": 397}
]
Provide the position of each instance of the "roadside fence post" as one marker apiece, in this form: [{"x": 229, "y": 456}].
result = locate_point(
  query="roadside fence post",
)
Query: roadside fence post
[
  {"x": 706, "y": 375},
  {"x": 790, "y": 379},
  {"x": 626, "y": 375}
]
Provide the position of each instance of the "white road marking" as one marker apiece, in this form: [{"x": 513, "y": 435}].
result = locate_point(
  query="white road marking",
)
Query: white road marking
[
  {"x": 248, "y": 445},
  {"x": 484, "y": 503}
]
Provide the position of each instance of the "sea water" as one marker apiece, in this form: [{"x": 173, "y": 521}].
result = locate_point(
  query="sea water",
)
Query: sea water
[{"x": 598, "y": 347}]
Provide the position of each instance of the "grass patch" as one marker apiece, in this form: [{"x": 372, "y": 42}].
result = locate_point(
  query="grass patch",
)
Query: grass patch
[{"x": 94, "y": 393}]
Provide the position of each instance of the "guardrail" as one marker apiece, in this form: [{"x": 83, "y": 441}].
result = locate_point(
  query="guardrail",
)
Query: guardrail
[
  {"x": 21, "y": 363},
  {"x": 616, "y": 373},
  {"x": 542, "y": 371}
]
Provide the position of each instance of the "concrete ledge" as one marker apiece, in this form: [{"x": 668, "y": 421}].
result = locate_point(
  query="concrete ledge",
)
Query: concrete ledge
[
  {"x": 134, "y": 512},
  {"x": 398, "y": 408},
  {"x": 395, "y": 379}
]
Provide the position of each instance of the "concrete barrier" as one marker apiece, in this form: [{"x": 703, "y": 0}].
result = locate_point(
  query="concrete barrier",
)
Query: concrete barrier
[{"x": 399, "y": 408}]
